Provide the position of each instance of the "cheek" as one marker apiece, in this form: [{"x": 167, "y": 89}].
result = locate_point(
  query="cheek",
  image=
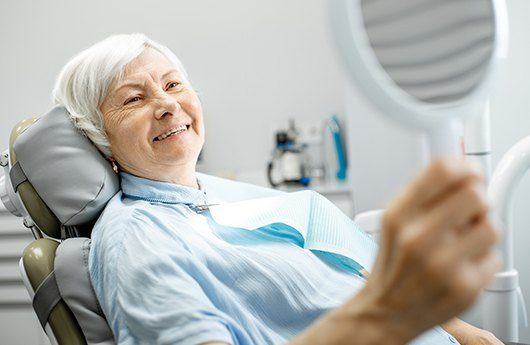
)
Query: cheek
[
  {"x": 196, "y": 104},
  {"x": 194, "y": 107},
  {"x": 198, "y": 116},
  {"x": 124, "y": 133}
]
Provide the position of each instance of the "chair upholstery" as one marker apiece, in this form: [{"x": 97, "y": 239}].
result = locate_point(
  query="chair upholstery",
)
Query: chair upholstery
[
  {"x": 39, "y": 261},
  {"x": 66, "y": 184},
  {"x": 70, "y": 180},
  {"x": 71, "y": 271}
]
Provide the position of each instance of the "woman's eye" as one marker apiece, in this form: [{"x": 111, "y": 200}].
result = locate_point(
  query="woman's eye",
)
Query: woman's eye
[
  {"x": 132, "y": 100},
  {"x": 172, "y": 85}
]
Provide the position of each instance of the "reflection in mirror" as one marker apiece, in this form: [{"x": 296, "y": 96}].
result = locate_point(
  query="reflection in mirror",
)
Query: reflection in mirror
[{"x": 436, "y": 51}]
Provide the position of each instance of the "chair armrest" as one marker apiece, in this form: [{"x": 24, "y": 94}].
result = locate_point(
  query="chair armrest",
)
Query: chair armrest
[{"x": 370, "y": 222}]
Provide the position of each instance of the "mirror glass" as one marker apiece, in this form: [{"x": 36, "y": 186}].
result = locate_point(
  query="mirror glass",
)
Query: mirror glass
[{"x": 435, "y": 51}]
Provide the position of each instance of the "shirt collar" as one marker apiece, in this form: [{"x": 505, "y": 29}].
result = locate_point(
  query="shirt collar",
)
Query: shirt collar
[{"x": 140, "y": 188}]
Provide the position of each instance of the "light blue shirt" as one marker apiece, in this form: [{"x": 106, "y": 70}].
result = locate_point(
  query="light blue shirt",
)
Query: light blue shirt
[{"x": 164, "y": 275}]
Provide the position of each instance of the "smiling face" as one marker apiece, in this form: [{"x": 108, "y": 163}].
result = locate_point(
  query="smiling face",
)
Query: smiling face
[{"x": 153, "y": 120}]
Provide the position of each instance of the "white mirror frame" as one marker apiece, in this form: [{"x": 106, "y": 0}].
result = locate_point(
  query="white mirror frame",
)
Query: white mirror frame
[{"x": 364, "y": 69}]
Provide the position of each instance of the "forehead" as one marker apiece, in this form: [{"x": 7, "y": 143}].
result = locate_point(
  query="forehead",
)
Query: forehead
[{"x": 149, "y": 61}]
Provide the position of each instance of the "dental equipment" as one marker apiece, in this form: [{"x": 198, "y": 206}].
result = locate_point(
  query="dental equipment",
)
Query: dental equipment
[
  {"x": 503, "y": 300},
  {"x": 431, "y": 64}
]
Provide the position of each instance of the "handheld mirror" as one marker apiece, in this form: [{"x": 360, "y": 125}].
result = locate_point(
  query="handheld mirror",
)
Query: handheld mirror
[{"x": 426, "y": 63}]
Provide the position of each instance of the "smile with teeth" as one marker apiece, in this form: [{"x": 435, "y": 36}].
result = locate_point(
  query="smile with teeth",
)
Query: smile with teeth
[{"x": 169, "y": 133}]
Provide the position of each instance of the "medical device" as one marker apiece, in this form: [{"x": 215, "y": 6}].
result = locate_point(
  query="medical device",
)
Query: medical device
[
  {"x": 431, "y": 64},
  {"x": 335, "y": 130},
  {"x": 288, "y": 160},
  {"x": 503, "y": 305}
]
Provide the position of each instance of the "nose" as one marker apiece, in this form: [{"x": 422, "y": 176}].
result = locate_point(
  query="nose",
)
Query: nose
[{"x": 165, "y": 105}]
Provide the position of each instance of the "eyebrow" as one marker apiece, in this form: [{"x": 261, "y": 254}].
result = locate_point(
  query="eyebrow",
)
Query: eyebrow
[{"x": 140, "y": 85}]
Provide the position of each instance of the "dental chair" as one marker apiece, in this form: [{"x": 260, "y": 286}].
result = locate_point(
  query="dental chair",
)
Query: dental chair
[
  {"x": 59, "y": 183},
  {"x": 57, "y": 180}
]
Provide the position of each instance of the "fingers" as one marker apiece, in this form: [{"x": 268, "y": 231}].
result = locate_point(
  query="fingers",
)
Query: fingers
[
  {"x": 436, "y": 243},
  {"x": 432, "y": 187},
  {"x": 459, "y": 208},
  {"x": 463, "y": 280},
  {"x": 476, "y": 275},
  {"x": 488, "y": 266},
  {"x": 478, "y": 241},
  {"x": 432, "y": 184},
  {"x": 459, "y": 219},
  {"x": 474, "y": 260}
]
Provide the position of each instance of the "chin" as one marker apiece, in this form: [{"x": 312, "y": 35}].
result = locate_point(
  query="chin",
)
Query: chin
[{"x": 184, "y": 158}]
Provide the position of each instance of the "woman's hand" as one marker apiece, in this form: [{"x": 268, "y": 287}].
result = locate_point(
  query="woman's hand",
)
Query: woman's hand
[
  {"x": 467, "y": 334},
  {"x": 435, "y": 257},
  {"x": 436, "y": 243}
]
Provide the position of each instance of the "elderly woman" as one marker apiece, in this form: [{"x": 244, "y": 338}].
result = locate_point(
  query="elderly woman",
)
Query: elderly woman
[{"x": 164, "y": 276}]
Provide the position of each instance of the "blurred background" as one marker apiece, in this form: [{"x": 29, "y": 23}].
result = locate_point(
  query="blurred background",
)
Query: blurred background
[{"x": 258, "y": 65}]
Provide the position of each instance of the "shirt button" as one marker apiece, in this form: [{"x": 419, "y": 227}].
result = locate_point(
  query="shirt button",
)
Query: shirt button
[{"x": 452, "y": 339}]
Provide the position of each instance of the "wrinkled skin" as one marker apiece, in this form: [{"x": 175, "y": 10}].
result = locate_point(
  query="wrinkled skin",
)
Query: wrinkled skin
[{"x": 151, "y": 98}]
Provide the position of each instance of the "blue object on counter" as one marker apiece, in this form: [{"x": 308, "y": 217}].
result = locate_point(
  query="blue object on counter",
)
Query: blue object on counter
[
  {"x": 334, "y": 127},
  {"x": 305, "y": 180}
]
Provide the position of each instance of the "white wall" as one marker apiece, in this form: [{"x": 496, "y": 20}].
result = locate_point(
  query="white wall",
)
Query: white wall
[{"x": 382, "y": 154}]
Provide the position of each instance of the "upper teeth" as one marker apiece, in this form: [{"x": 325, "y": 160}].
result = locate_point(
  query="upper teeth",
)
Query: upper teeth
[{"x": 179, "y": 129}]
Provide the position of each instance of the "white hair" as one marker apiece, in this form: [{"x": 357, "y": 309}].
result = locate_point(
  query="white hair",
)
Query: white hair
[{"x": 84, "y": 81}]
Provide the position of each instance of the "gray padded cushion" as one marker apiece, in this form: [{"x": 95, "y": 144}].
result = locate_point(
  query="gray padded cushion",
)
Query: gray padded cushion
[
  {"x": 73, "y": 280},
  {"x": 65, "y": 168}
]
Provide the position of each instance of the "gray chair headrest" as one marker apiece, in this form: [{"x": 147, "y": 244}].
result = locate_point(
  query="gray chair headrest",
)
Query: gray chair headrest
[{"x": 67, "y": 171}]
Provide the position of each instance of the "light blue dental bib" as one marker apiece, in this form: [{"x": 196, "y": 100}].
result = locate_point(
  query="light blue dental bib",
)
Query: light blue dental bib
[{"x": 308, "y": 215}]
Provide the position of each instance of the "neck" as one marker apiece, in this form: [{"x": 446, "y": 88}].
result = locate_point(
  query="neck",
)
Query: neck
[{"x": 181, "y": 175}]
